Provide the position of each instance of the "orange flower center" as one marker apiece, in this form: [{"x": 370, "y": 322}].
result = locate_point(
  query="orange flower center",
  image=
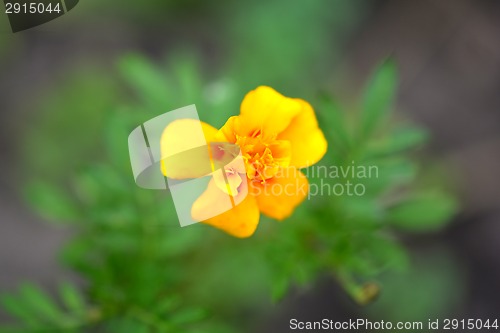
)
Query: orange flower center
[{"x": 263, "y": 155}]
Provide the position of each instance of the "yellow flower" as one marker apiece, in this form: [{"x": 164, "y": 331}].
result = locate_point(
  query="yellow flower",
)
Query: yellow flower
[{"x": 277, "y": 136}]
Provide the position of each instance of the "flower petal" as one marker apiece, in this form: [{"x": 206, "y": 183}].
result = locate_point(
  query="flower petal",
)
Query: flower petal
[
  {"x": 240, "y": 221},
  {"x": 308, "y": 142},
  {"x": 279, "y": 196},
  {"x": 267, "y": 111},
  {"x": 184, "y": 153},
  {"x": 282, "y": 151},
  {"x": 228, "y": 130}
]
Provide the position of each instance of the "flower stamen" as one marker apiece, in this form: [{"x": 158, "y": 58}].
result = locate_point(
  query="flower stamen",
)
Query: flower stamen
[{"x": 257, "y": 151}]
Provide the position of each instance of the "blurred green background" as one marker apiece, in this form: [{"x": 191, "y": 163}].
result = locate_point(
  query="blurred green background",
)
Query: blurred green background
[{"x": 114, "y": 258}]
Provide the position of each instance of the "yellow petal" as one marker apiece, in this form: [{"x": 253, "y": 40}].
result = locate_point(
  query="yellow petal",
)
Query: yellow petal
[
  {"x": 184, "y": 149},
  {"x": 240, "y": 221},
  {"x": 228, "y": 130},
  {"x": 266, "y": 111},
  {"x": 282, "y": 151},
  {"x": 278, "y": 197},
  {"x": 307, "y": 140}
]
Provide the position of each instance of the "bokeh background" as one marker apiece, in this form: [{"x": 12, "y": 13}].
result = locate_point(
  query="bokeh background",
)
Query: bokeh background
[{"x": 449, "y": 61}]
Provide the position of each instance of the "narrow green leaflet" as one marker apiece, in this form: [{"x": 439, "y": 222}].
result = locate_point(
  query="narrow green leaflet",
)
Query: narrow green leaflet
[
  {"x": 118, "y": 127},
  {"x": 17, "y": 308},
  {"x": 41, "y": 304},
  {"x": 335, "y": 127},
  {"x": 187, "y": 316},
  {"x": 147, "y": 81},
  {"x": 424, "y": 212},
  {"x": 38, "y": 312},
  {"x": 279, "y": 287},
  {"x": 184, "y": 67},
  {"x": 378, "y": 98},
  {"x": 72, "y": 298},
  {"x": 50, "y": 202},
  {"x": 399, "y": 140}
]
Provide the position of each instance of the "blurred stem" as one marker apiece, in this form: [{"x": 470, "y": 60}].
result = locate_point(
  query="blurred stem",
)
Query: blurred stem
[{"x": 362, "y": 294}]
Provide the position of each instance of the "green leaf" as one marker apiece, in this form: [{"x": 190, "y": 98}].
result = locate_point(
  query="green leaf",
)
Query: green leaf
[
  {"x": 187, "y": 316},
  {"x": 427, "y": 211},
  {"x": 335, "y": 129},
  {"x": 166, "y": 305},
  {"x": 50, "y": 202},
  {"x": 76, "y": 254},
  {"x": 174, "y": 245},
  {"x": 390, "y": 173},
  {"x": 387, "y": 254},
  {"x": 101, "y": 185},
  {"x": 378, "y": 98},
  {"x": 17, "y": 308},
  {"x": 280, "y": 287},
  {"x": 71, "y": 298},
  {"x": 360, "y": 209},
  {"x": 114, "y": 241},
  {"x": 41, "y": 303},
  {"x": 398, "y": 141},
  {"x": 147, "y": 81},
  {"x": 185, "y": 69},
  {"x": 120, "y": 124},
  {"x": 128, "y": 325}
]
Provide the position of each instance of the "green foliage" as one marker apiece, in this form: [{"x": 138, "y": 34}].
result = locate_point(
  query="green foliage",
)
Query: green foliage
[
  {"x": 145, "y": 274},
  {"x": 150, "y": 85},
  {"x": 424, "y": 211},
  {"x": 355, "y": 231},
  {"x": 74, "y": 114},
  {"x": 39, "y": 312},
  {"x": 378, "y": 98},
  {"x": 50, "y": 202}
]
